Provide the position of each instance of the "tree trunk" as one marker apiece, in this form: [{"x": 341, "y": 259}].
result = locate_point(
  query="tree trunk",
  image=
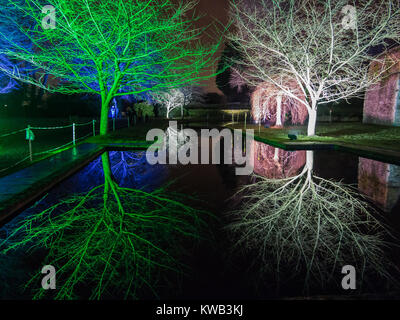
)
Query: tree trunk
[
  {"x": 257, "y": 108},
  {"x": 312, "y": 121},
  {"x": 104, "y": 117},
  {"x": 105, "y": 161},
  {"x": 309, "y": 163},
  {"x": 110, "y": 186},
  {"x": 278, "y": 110},
  {"x": 276, "y": 155},
  {"x": 309, "y": 159}
]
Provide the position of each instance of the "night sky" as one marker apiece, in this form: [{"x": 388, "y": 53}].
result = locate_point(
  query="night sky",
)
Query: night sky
[{"x": 213, "y": 10}]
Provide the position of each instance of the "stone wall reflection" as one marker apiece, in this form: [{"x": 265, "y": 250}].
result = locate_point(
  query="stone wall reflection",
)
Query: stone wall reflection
[
  {"x": 275, "y": 163},
  {"x": 379, "y": 181}
]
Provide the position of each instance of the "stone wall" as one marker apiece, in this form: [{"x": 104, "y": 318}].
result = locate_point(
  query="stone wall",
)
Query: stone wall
[{"x": 382, "y": 100}]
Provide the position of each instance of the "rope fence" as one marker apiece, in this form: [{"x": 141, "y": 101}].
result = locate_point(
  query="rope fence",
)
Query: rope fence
[
  {"x": 11, "y": 133},
  {"x": 30, "y": 138}
]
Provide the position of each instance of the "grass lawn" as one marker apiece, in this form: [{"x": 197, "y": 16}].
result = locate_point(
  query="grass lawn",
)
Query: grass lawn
[
  {"x": 367, "y": 137},
  {"x": 16, "y": 147},
  {"x": 129, "y": 135},
  {"x": 348, "y": 134}
]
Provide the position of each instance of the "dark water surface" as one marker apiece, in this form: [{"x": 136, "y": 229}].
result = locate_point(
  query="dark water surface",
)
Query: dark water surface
[{"x": 216, "y": 273}]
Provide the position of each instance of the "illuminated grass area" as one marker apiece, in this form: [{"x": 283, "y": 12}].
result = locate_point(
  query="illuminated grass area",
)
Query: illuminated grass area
[
  {"x": 110, "y": 242},
  {"x": 353, "y": 133},
  {"x": 135, "y": 133},
  {"x": 14, "y": 149}
]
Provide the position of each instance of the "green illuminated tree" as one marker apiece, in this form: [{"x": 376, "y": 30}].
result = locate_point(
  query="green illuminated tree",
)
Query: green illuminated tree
[{"x": 111, "y": 47}]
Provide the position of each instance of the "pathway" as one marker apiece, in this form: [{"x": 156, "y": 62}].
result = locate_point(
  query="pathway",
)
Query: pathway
[{"x": 20, "y": 188}]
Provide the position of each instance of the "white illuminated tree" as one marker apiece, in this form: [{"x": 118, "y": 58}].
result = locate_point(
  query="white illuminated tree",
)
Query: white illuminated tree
[
  {"x": 170, "y": 100},
  {"x": 324, "y": 45},
  {"x": 193, "y": 94}
]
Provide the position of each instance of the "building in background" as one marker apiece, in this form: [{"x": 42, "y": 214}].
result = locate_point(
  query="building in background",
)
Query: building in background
[{"x": 382, "y": 100}]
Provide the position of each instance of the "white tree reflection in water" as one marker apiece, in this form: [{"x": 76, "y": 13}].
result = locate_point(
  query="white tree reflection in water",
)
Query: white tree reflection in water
[{"x": 301, "y": 227}]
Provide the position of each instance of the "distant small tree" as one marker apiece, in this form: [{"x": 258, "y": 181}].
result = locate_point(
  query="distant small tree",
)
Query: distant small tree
[
  {"x": 193, "y": 94},
  {"x": 178, "y": 98},
  {"x": 226, "y": 79},
  {"x": 170, "y": 100},
  {"x": 236, "y": 80}
]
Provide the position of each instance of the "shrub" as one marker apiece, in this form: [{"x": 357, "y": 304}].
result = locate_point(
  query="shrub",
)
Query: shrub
[{"x": 146, "y": 109}]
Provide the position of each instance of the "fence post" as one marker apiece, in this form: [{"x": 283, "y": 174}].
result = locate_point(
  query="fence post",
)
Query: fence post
[
  {"x": 73, "y": 133},
  {"x": 245, "y": 120},
  {"x": 30, "y": 142},
  {"x": 94, "y": 128},
  {"x": 233, "y": 118}
]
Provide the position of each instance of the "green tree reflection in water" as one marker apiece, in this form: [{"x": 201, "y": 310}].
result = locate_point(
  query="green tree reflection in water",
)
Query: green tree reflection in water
[{"x": 110, "y": 242}]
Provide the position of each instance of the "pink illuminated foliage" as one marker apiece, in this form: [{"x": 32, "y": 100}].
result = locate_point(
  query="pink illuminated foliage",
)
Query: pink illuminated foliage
[
  {"x": 236, "y": 80},
  {"x": 275, "y": 163},
  {"x": 264, "y": 102}
]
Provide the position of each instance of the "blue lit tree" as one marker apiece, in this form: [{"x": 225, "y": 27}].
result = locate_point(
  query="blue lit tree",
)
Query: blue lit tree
[
  {"x": 11, "y": 35},
  {"x": 7, "y": 84}
]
